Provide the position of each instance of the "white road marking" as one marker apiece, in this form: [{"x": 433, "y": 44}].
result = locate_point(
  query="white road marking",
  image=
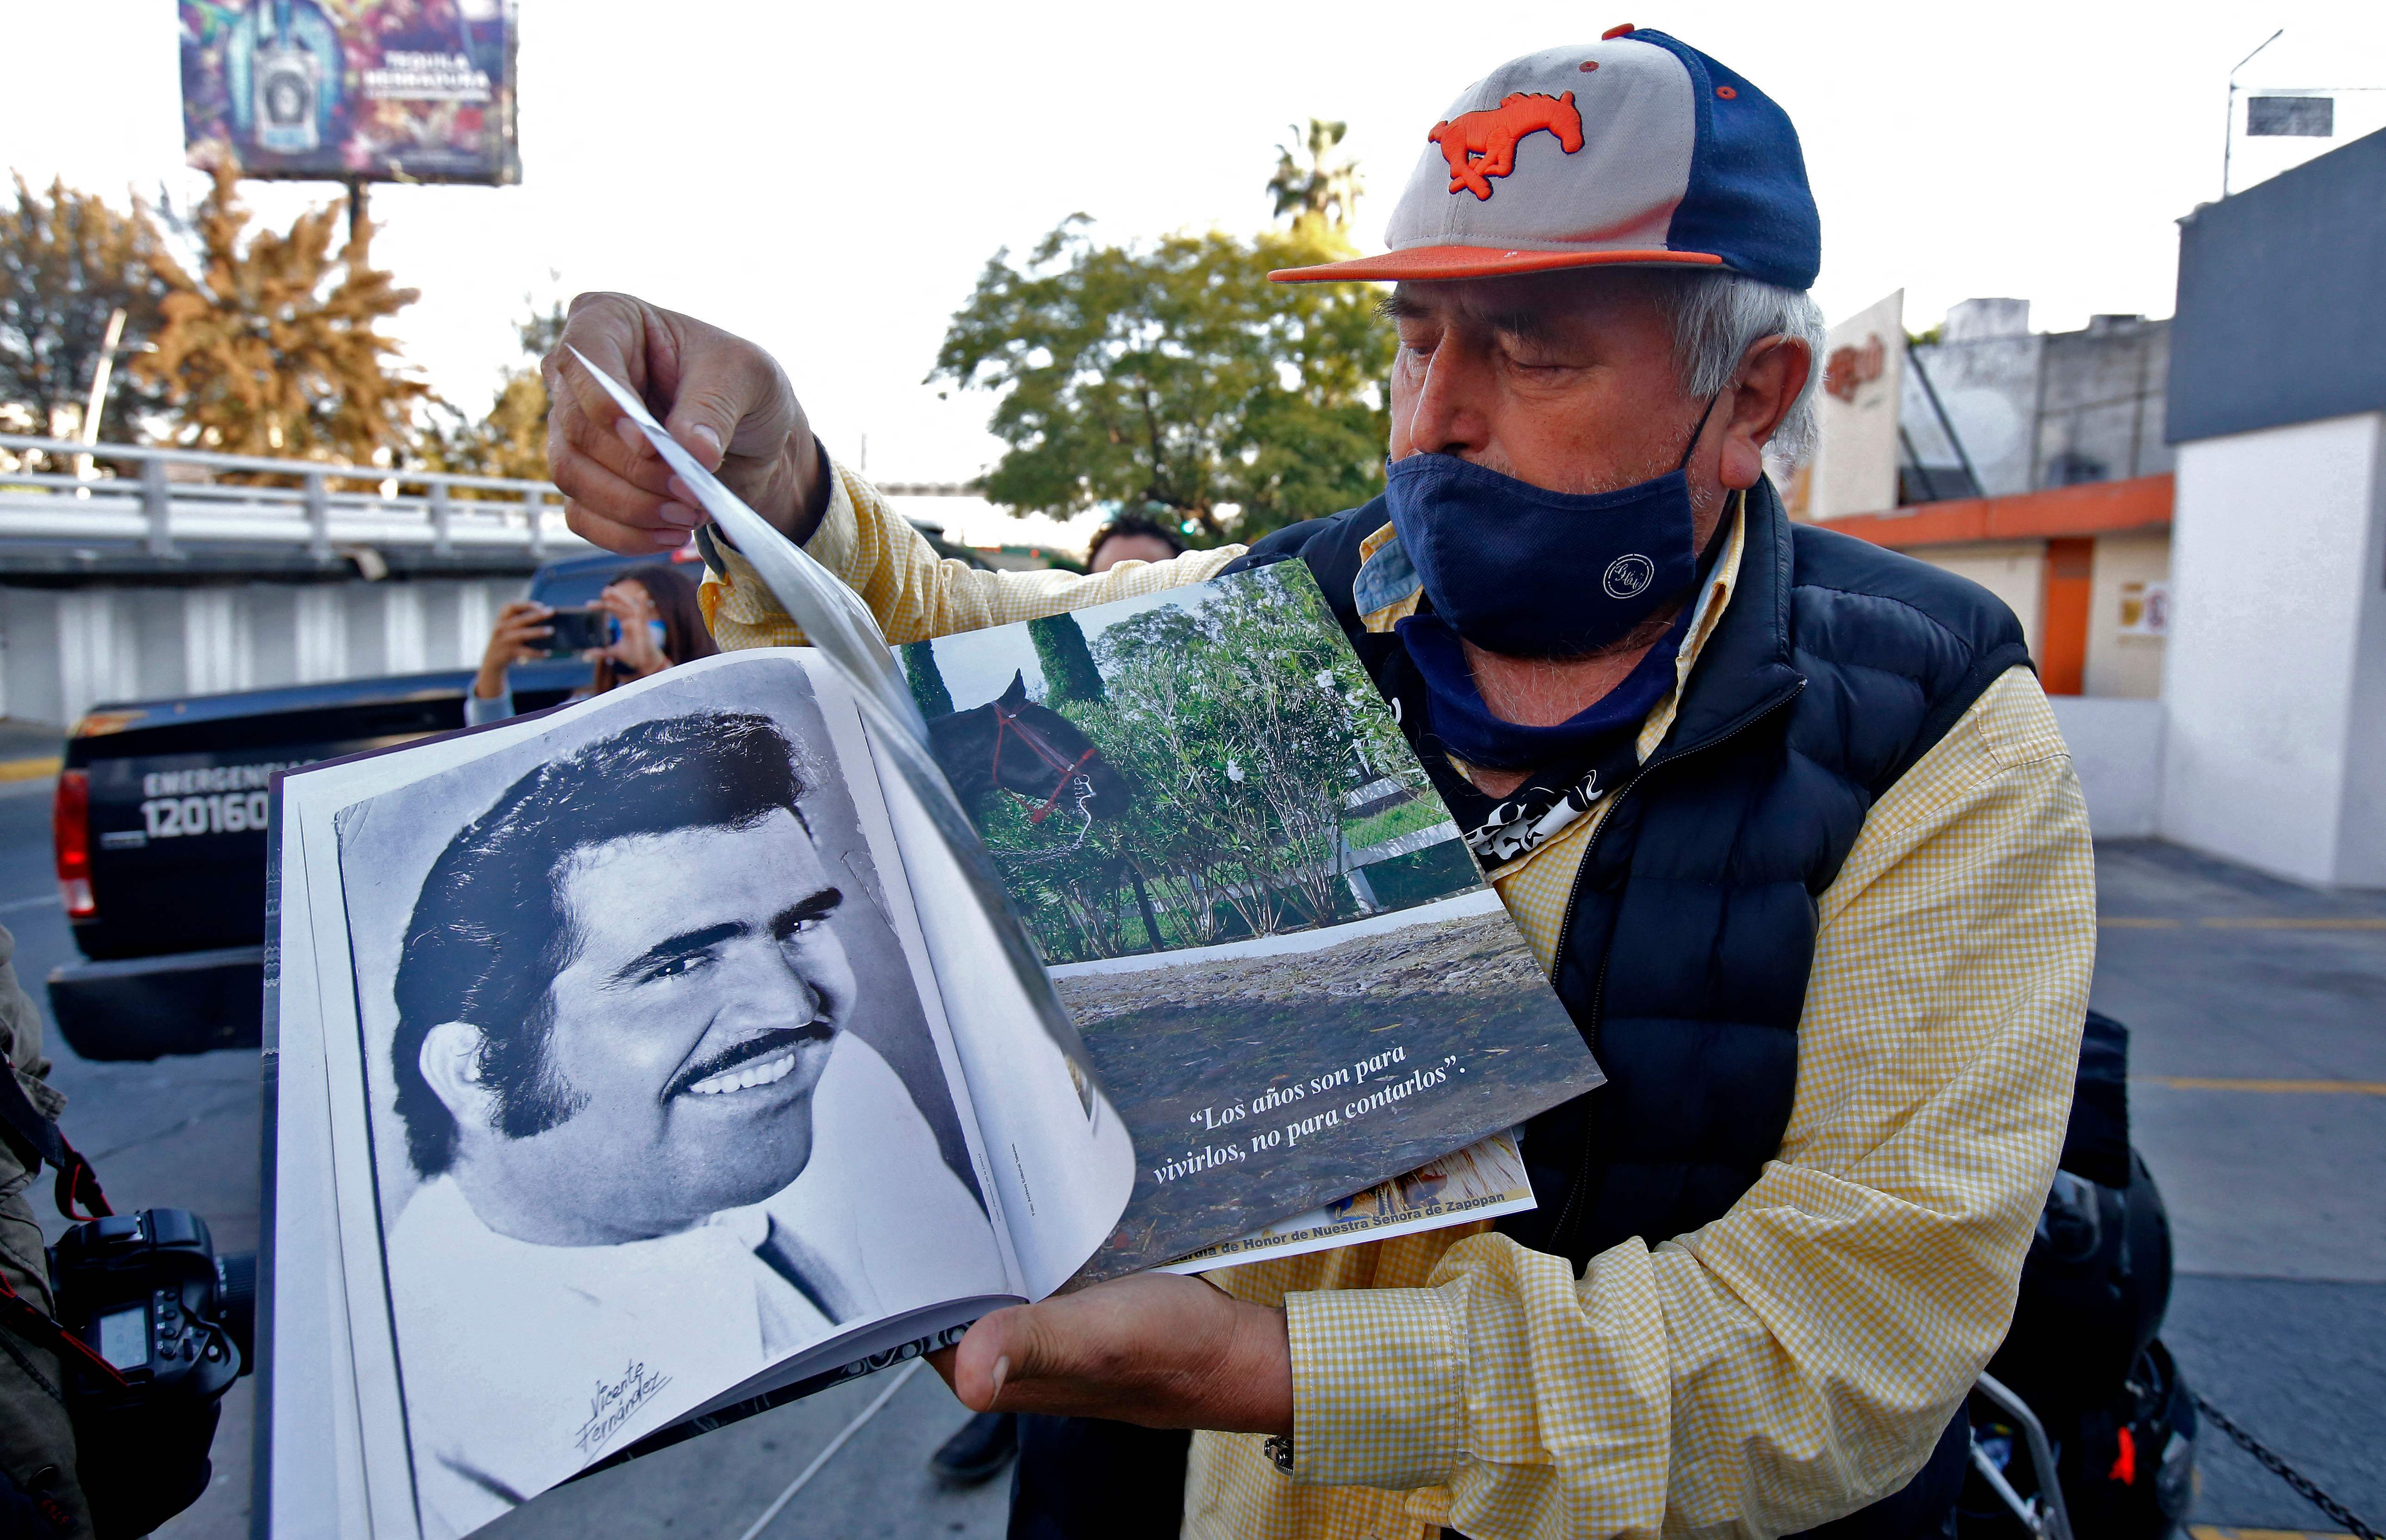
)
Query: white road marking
[{"x": 902, "y": 1376}]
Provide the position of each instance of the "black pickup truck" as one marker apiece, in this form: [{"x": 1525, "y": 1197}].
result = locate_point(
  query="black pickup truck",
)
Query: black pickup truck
[{"x": 159, "y": 824}]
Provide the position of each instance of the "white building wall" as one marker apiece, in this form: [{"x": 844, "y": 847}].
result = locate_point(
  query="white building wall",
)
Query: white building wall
[
  {"x": 2117, "y": 750},
  {"x": 217, "y": 650},
  {"x": 99, "y": 652},
  {"x": 320, "y": 635},
  {"x": 30, "y": 618},
  {"x": 272, "y": 611},
  {"x": 403, "y": 629},
  {"x": 2119, "y": 662},
  {"x": 64, "y": 650},
  {"x": 2275, "y": 678}
]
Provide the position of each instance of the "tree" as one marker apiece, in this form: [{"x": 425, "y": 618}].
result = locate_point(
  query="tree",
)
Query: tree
[
  {"x": 929, "y": 692},
  {"x": 67, "y": 263},
  {"x": 1176, "y": 373},
  {"x": 1244, "y": 725},
  {"x": 1068, "y": 664},
  {"x": 1327, "y": 189},
  {"x": 272, "y": 346},
  {"x": 511, "y": 439}
]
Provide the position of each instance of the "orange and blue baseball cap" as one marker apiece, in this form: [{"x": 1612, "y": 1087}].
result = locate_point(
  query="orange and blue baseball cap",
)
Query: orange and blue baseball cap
[{"x": 1638, "y": 150}]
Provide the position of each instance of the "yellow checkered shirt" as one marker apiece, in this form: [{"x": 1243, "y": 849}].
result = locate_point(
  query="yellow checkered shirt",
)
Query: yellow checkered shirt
[{"x": 1792, "y": 1361}]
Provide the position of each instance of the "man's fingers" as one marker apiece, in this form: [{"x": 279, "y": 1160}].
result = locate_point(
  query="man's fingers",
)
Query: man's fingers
[
  {"x": 611, "y": 331},
  {"x": 595, "y": 492},
  {"x": 1161, "y": 1351}
]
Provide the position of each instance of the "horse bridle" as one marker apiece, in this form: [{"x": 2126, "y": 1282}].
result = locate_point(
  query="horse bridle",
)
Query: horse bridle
[{"x": 1067, "y": 770}]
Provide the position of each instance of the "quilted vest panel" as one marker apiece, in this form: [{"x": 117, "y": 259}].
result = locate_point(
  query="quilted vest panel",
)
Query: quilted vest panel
[{"x": 1692, "y": 928}]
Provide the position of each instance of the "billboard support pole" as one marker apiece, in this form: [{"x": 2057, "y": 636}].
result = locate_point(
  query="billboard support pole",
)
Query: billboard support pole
[{"x": 356, "y": 207}]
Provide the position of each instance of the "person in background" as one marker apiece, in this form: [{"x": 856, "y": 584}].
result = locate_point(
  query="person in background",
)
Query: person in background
[
  {"x": 39, "y": 1493},
  {"x": 654, "y": 611},
  {"x": 984, "y": 1444},
  {"x": 1132, "y": 537}
]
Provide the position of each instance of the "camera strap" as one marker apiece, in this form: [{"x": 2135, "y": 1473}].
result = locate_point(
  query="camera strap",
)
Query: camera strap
[
  {"x": 28, "y": 1320},
  {"x": 37, "y": 1142}
]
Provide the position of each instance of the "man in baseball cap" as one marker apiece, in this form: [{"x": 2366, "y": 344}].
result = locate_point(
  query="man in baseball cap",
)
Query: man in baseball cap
[{"x": 1786, "y": 816}]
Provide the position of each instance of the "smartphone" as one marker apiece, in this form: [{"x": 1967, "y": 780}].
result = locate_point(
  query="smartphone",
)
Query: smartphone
[{"x": 576, "y": 631}]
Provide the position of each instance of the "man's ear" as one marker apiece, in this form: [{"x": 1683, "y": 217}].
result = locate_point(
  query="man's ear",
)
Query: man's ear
[
  {"x": 1772, "y": 372},
  {"x": 450, "y": 1061}
]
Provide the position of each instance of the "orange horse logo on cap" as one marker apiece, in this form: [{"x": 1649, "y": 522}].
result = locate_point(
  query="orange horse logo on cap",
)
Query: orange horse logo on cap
[{"x": 1482, "y": 144}]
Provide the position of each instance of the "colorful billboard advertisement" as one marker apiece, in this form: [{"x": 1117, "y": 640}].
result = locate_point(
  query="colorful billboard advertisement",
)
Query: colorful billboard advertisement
[{"x": 351, "y": 90}]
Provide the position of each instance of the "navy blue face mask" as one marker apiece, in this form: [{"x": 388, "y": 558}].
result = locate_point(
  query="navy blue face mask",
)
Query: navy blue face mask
[{"x": 1518, "y": 570}]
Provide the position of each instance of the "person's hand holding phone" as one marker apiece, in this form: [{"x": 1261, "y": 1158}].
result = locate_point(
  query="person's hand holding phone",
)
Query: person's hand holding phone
[
  {"x": 519, "y": 636},
  {"x": 636, "y": 650}
]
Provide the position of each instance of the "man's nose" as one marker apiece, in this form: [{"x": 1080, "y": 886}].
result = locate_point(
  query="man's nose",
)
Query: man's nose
[
  {"x": 1448, "y": 416},
  {"x": 769, "y": 989}
]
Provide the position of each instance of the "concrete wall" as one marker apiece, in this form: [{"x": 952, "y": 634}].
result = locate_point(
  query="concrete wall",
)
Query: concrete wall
[
  {"x": 2121, "y": 663},
  {"x": 2268, "y": 334},
  {"x": 1988, "y": 387},
  {"x": 2039, "y": 410},
  {"x": 64, "y": 650},
  {"x": 2276, "y": 681},
  {"x": 2101, "y": 403},
  {"x": 2116, "y": 750},
  {"x": 1857, "y": 413}
]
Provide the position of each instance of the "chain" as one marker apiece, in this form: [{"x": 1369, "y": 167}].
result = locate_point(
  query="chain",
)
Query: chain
[
  {"x": 1084, "y": 790},
  {"x": 2304, "y": 1485}
]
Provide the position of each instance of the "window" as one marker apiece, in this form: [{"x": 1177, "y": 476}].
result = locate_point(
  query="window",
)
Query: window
[{"x": 2290, "y": 117}]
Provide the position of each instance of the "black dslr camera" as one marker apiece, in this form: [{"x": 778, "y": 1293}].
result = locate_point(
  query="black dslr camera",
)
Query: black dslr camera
[{"x": 176, "y": 1324}]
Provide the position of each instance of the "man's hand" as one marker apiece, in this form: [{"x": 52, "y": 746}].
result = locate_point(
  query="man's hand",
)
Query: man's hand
[
  {"x": 723, "y": 398},
  {"x": 1163, "y": 1351}
]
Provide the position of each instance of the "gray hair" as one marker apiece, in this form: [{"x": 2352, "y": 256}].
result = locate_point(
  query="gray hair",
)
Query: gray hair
[{"x": 1717, "y": 315}]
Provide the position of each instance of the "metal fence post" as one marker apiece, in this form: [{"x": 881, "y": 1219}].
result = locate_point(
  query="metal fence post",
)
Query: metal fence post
[
  {"x": 319, "y": 517},
  {"x": 157, "y": 508},
  {"x": 441, "y": 544},
  {"x": 536, "y": 505}
]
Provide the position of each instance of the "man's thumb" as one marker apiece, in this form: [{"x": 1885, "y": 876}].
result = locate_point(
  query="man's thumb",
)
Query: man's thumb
[
  {"x": 999, "y": 1351},
  {"x": 704, "y": 422}
]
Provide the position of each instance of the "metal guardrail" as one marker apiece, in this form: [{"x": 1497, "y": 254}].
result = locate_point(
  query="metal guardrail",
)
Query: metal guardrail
[{"x": 166, "y": 498}]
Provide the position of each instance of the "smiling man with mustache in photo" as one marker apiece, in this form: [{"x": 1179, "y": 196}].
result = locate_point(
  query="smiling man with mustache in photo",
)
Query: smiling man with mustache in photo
[{"x": 625, "y": 1074}]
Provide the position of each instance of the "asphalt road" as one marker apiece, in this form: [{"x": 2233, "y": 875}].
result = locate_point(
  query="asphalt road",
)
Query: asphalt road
[{"x": 2259, "y": 1014}]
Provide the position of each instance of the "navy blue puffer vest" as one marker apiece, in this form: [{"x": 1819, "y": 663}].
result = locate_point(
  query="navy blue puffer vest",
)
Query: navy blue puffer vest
[
  {"x": 1690, "y": 930},
  {"x": 1688, "y": 939}
]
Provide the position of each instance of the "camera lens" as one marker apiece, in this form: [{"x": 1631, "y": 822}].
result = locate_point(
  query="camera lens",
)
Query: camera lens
[{"x": 236, "y": 1301}]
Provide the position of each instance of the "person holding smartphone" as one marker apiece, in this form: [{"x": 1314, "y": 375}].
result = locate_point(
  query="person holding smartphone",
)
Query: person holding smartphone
[{"x": 650, "y": 613}]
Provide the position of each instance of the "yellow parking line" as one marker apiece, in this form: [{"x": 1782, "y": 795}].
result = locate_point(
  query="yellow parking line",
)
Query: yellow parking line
[
  {"x": 29, "y": 770},
  {"x": 2244, "y": 922},
  {"x": 2315, "y": 1087},
  {"x": 2219, "y": 1532}
]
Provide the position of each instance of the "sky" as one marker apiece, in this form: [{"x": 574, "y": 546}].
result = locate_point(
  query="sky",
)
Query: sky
[{"x": 829, "y": 180}]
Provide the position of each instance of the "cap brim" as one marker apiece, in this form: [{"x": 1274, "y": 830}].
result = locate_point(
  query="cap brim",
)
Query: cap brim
[{"x": 1429, "y": 262}]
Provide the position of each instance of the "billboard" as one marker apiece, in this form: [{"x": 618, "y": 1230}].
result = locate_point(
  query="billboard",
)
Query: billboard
[{"x": 351, "y": 90}]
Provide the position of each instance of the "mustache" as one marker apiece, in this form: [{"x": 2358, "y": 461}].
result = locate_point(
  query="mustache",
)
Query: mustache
[{"x": 769, "y": 1044}]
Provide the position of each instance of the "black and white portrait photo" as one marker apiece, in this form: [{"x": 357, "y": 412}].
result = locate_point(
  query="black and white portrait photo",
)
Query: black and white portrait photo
[{"x": 656, "y": 1102}]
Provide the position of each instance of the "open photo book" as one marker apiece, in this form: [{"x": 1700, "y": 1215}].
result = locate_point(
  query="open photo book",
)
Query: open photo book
[{"x": 643, "y": 1063}]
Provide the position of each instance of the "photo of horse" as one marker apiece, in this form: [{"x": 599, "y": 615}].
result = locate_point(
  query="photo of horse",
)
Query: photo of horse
[
  {"x": 1279, "y": 951},
  {"x": 1190, "y": 768}
]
